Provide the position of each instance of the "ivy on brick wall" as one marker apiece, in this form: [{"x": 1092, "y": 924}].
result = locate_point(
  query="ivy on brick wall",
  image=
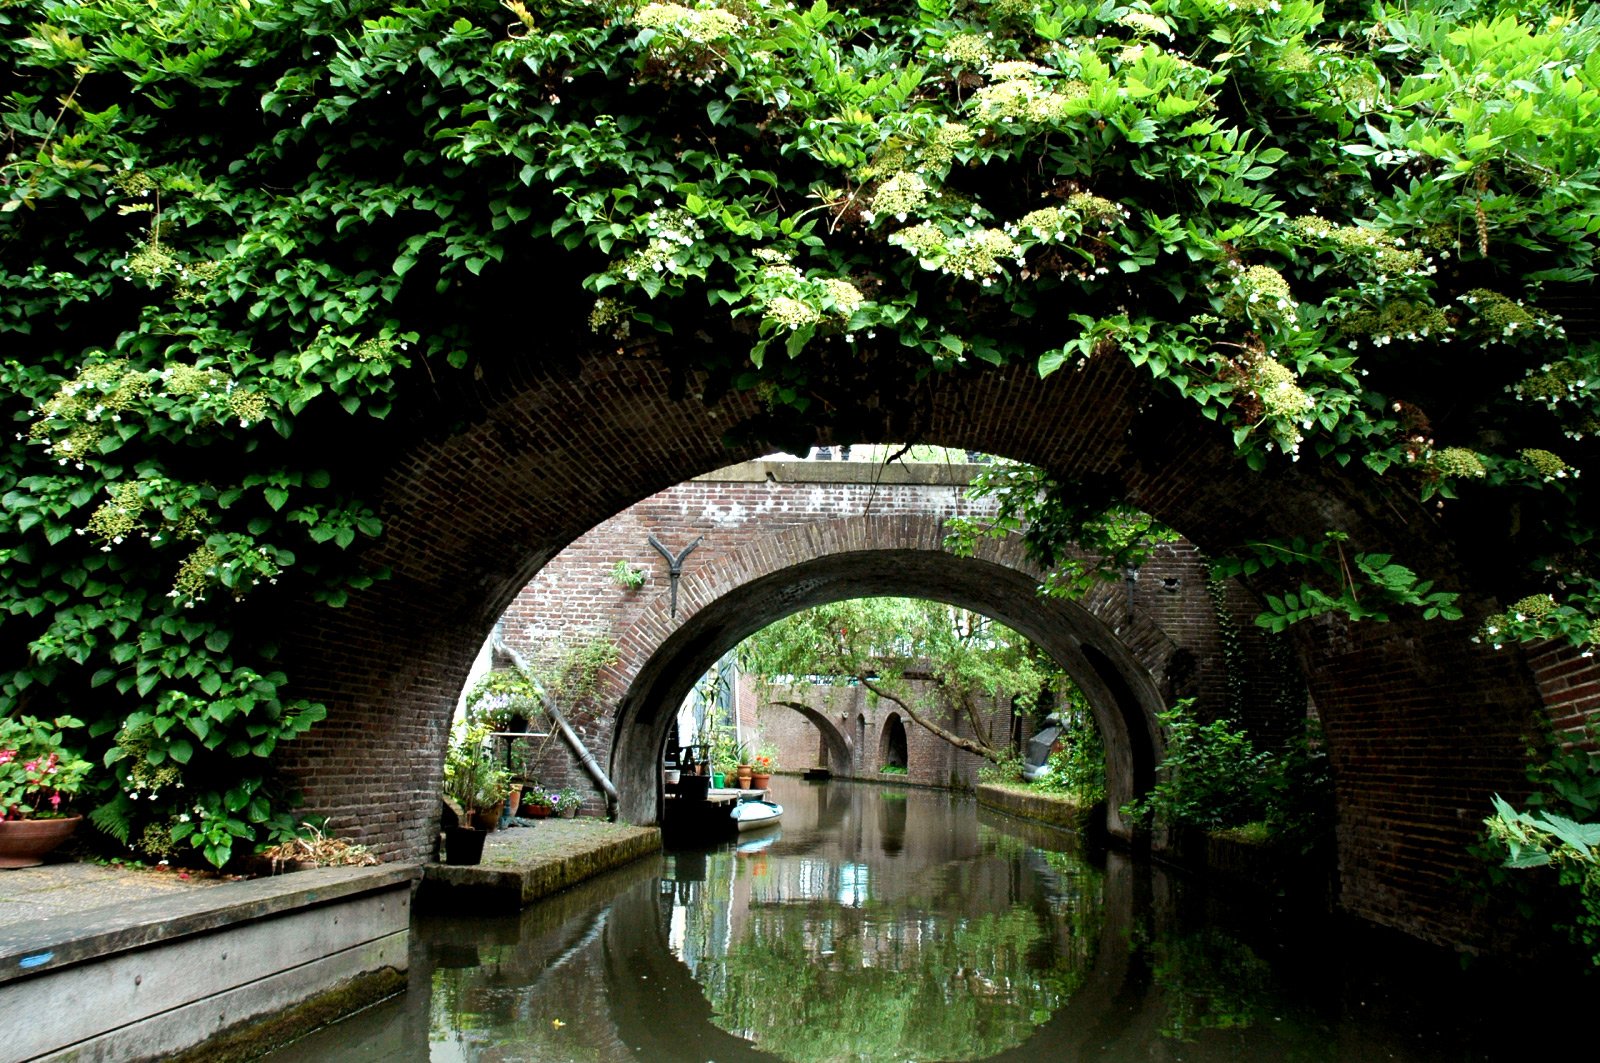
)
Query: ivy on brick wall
[{"x": 237, "y": 229}]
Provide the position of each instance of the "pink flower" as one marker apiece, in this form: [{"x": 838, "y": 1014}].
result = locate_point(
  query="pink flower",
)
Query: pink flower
[{"x": 55, "y": 800}]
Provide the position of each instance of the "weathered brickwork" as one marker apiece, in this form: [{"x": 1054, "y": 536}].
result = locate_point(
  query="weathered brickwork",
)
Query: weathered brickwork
[
  {"x": 1569, "y": 681},
  {"x": 789, "y": 510},
  {"x": 502, "y": 467},
  {"x": 863, "y": 723}
]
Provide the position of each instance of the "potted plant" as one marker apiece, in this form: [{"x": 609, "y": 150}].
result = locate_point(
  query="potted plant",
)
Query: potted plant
[
  {"x": 568, "y": 801},
  {"x": 38, "y": 778},
  {"x": 504, "y": 700},
  {"x": 538, "y": 802},
  {"x": 762, "y": 767},
  {"x": 474, "y": 788},
  {"x": 727, "y": 756}
]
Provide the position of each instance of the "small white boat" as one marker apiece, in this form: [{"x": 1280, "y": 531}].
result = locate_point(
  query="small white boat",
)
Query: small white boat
[{"x": 752, "y": 815}]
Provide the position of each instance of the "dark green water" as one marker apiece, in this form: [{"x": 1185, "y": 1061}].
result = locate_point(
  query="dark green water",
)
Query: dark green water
[{"x": 882, "y": 924}]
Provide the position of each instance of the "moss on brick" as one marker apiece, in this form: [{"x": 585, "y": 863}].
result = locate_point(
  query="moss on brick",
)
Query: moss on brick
[
  {"x": 1054, "y": 809},
  {"x": 254, "y": 1039}
]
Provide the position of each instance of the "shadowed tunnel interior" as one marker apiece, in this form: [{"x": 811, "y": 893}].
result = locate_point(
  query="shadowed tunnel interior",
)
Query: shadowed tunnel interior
[{"x": 1123, "y": 696}]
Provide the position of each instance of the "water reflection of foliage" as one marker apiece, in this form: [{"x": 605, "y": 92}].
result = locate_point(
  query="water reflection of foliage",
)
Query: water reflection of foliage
[
  {"x": 1074, "y": 889},
  {"x": 478, "y": 1004},
  {"x": 936, "y": 988},
  {"x": 1212, "y": 981}
]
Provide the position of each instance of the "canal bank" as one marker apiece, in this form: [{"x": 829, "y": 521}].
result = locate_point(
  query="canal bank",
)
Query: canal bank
[
  {"x": 118, "y": 964},
  {"x": 524, "y": 865},
  {"x": 899, "y": 923}
]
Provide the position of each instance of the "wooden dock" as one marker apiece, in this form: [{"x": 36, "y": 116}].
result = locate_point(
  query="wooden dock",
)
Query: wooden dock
[{"x": 687, "y": 820}]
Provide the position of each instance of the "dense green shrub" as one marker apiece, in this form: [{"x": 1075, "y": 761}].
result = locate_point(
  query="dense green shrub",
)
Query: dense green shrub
[
  {"x": 237, "y": 233},
  {"x": 1214, "y": 778}
]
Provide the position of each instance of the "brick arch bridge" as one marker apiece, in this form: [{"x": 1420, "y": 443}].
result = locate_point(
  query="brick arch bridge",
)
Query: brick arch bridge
[
  {"x": 881, "y": 556},
  {"x": 499, "y": 469},
  {"x": 774, "y": 537}
]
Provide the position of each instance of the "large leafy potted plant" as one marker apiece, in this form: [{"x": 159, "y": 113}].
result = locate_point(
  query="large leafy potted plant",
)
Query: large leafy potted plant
[
  {"x": 474, "y": 788},
  {"x": 38, "y": 778}
]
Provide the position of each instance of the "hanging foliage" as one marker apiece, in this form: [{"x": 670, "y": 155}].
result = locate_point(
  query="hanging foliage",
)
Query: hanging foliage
[{"x": 238, "y": 231}]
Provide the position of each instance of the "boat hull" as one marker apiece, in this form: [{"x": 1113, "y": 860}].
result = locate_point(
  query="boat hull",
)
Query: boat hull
[{"x": 753, "y": 815}]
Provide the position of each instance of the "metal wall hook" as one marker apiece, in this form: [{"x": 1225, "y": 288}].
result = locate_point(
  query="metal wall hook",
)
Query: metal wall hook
[{"x": 674, "y": 565}]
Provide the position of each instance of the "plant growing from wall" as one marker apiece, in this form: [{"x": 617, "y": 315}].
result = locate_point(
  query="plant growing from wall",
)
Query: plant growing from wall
[
  {"x": 240, "y": 236},
  {"x": 1544, "y": 839},
  {"x": 569, "y": 671},
  {"x": 1557, "y": 830},
  {"x": 626, "y": 576}
]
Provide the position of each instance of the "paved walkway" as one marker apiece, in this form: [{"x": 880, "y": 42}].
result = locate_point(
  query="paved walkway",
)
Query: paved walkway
[
  {"x": 550, "y": 839},
  {"x": 522, "y": 864},
  {"x": 551, "y": 855},
  {"x": 28, "y": 894}
]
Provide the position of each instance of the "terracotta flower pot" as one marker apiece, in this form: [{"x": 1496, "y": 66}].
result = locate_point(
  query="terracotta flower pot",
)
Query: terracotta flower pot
[
  {"x": 488, "y": 818},
  {"x": 760, "y": 780},
  {"x": 24, "y": 842}
]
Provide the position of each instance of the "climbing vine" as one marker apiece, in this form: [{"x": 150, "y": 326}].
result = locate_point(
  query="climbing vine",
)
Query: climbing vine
[{"x": 238, "y": 232}]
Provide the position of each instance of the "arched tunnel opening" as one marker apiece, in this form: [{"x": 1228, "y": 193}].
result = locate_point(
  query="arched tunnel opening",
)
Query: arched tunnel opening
[{"x": 1124, "y": 708}]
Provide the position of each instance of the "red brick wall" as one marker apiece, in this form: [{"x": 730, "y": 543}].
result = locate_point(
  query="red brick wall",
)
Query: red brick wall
[
  {"x": 862, "y": 720},
  {"x": 754, "y": 520},
  {"x": 482, "y": 477},
  {"x": 1569, "y": 682}
]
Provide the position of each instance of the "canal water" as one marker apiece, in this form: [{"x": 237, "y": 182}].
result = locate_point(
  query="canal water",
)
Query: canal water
[{"x": 888, "y": 924}]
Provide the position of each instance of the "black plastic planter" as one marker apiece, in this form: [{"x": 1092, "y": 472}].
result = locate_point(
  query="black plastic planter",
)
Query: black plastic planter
[{"x": 463, "y": 845}]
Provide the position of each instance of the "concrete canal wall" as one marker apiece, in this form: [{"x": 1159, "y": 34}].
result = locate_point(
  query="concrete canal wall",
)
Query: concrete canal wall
[{"x": 159, "y": 978}]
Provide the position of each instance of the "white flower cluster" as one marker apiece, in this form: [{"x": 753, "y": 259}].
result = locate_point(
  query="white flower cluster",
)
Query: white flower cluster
[
  {"x": 846, "y": 297},
  {"x": 1015, "y": 70},
  {"x": 1261, "y": 292},
  {"x": 1506, "y": 318},
  {"x": 1283, "y": 400},
  {"x": 899, "y": 195},
  {"x": 1145, "y": 22},
  {"x": 974, "y": 254},
  {"x": 1026, "y": 100},
  {"x": 670, "y": 232},
  {"x": 968, "y": 49},
  {"x": 1387, "y": 254},
  {"x": 791, "y": 300},
  {"x": 698, "y": 25}
]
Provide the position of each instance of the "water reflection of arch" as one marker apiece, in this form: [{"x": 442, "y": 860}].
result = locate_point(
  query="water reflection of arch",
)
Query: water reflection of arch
[
  {"x": 837, "y": 745},
  {"x": 645, "y": 977}
]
